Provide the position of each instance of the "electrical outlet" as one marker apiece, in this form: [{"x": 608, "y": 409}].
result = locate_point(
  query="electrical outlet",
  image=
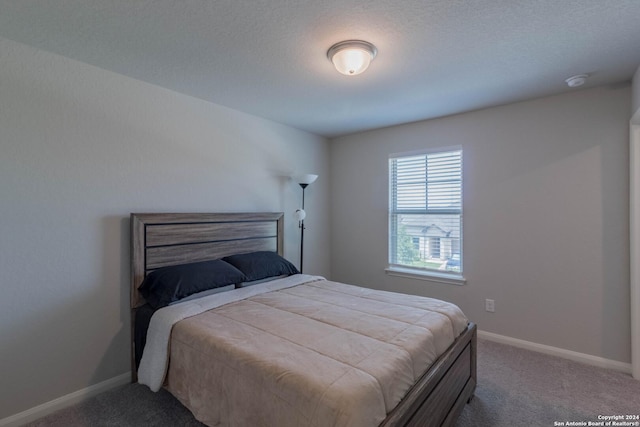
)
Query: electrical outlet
[{"x": 490, "y": 305}]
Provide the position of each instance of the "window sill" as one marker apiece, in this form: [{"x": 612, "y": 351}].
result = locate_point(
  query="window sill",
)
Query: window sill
[{"x": 430, "y": 276}]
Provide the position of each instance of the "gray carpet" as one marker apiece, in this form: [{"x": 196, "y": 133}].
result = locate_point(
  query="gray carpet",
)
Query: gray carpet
[
  {"x": 515, "y": 388},
  {"x": 522, "y": 388}
]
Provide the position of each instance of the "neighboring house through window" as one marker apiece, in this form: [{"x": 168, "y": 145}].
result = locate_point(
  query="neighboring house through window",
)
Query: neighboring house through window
[{"x": 425, "y": 211}]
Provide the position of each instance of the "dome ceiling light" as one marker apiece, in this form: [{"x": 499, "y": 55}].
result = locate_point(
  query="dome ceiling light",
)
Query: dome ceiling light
[
  {"x": 575, "y": 81},
  {"x": 352, "y": 57}
]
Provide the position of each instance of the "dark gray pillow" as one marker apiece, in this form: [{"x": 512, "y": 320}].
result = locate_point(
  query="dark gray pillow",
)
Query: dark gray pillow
[
  {"x": 262, "y": 264},
  {"x": 165, "y": 285}
]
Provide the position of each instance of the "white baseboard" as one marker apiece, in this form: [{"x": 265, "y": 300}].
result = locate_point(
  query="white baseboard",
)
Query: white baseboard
[
  {"x": 600, "y": 362},
  {"x": 47, "y": 408}
]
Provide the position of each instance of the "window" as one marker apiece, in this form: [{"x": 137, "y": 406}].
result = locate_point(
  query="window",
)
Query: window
[{"x": 425, "y": 212}]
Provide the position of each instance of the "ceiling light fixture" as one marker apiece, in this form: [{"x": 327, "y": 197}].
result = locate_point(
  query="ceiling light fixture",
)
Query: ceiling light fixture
[
  {"x": 575, "y": 81},
  {"x": 351, "y": 57}
]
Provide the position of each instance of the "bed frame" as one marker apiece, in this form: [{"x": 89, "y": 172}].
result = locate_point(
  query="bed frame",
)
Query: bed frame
[{"x": 164, "y": 239}]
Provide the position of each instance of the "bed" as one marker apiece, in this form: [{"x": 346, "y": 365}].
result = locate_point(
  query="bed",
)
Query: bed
[{"x": 434, "y": 398}]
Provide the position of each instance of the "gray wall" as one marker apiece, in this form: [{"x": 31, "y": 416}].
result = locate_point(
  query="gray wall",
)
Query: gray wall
[
  {"x": 81, "y": 148},
  {"x": 635, "y": 106},
  {"x": 545, "y": 216},
  {"x": 635, "y": 223}
]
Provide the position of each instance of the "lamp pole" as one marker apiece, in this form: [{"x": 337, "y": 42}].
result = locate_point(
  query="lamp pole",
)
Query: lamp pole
[{"x": 301, "y": 225}]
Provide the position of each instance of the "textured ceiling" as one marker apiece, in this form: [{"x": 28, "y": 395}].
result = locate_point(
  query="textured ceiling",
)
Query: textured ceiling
[{"x": 268, "y": 57}]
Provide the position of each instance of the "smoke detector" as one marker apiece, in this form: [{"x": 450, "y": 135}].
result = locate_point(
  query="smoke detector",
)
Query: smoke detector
[{"x": 578, "y": 80}]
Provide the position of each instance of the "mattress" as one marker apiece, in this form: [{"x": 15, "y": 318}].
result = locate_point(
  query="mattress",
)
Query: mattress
[{"x": 300, "y": 351}]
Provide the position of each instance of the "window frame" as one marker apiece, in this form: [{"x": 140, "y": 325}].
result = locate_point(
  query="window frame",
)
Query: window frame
[{"x": 402, "y": 270}]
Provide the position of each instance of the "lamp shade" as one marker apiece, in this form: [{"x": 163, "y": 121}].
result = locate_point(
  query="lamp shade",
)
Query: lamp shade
[
  {"x": 300, "y": 214},
  {"x": 305, "y": 179},
  {"x": 352, "y": 57}
]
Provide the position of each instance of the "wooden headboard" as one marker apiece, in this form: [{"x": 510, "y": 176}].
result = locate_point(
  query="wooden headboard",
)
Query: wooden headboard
[{"x": 163, "y": 239}]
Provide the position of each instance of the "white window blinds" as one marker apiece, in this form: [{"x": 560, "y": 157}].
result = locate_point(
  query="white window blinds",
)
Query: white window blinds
[{"x": 425, "y": 211}]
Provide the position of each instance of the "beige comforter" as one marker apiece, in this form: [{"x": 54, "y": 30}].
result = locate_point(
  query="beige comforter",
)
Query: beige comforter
[{"x": 317, "y": 354}]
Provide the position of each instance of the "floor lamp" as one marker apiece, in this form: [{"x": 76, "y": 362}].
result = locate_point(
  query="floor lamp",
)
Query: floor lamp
[{"x": 304, "y": 181}]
